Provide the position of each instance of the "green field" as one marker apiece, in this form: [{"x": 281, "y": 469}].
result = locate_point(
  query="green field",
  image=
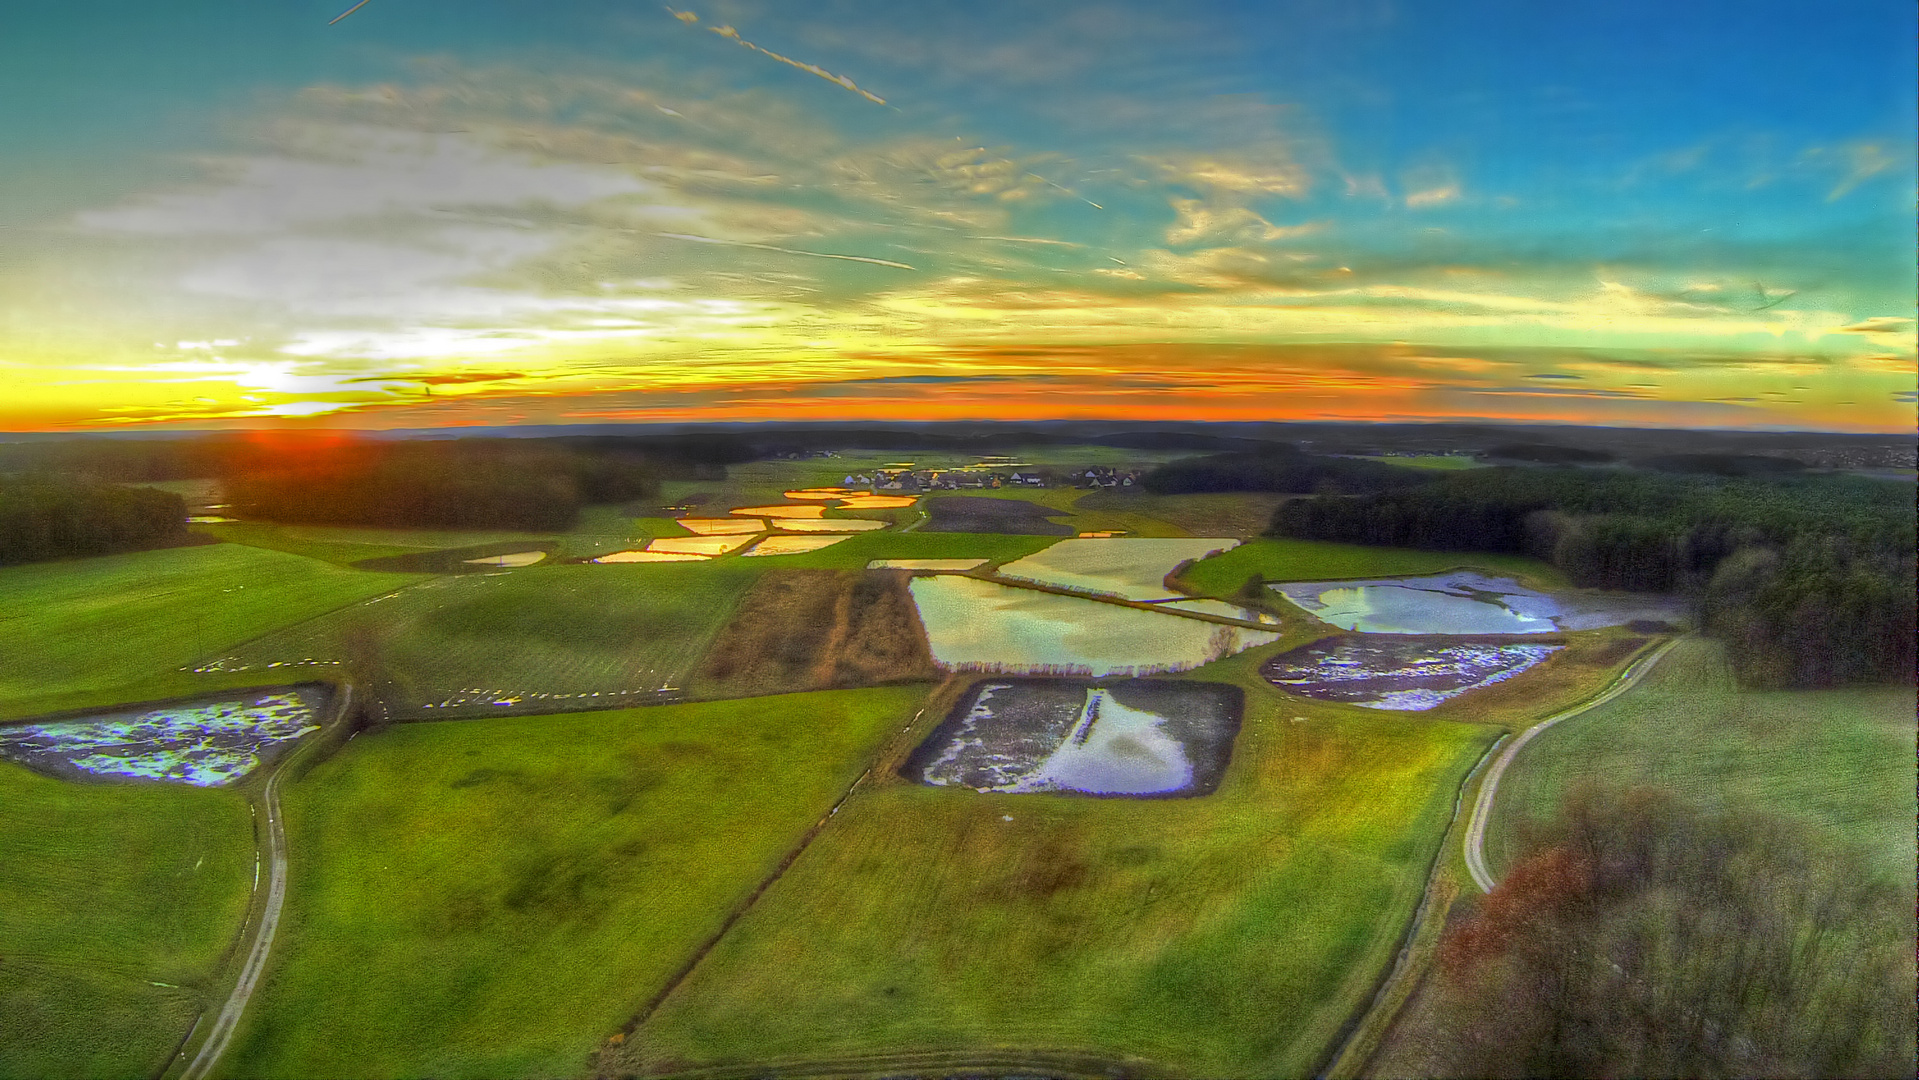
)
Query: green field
[
  {"x": 566, "y": 636},
  {"x": 1227, "y": 935},
  {"x": 119, "y": 627},
  {"x": 1840, "y": 760},
  {"x": 495, "y": 897},
  {"x": 600, "y": 529},
  {"x": 1225, "y": 574},
  {"x": 117, "y": 905}
]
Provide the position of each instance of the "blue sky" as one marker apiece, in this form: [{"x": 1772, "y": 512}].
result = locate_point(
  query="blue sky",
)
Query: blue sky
[{"x": 1673, "y": 214}]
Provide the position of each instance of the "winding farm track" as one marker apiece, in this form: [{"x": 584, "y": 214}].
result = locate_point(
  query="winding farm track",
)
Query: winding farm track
[
  {"x": 224, "y": 1024},
  {"x": 1483, "y": 805}
]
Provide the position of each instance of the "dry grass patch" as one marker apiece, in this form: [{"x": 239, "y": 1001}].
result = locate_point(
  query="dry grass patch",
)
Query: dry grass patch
[{"x": 815, "y": 629}]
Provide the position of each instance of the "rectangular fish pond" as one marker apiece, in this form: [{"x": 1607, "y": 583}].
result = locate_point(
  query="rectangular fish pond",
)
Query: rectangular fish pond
[
  {"x": 1404, "y": 674},
  {"x": 1136, "y": 737},
  {"x": 206, "y": 743}
]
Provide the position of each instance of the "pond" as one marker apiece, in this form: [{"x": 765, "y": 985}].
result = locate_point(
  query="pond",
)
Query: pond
[
  {"x": 1469, "y": 602},
  {"x": 1133, "y": 568},
  {"x": 1403, "y": 674},
  {"x": 983, "y": 626},
  {"x": 516, "y": 558},
  {"x": 793, "y": 545},
  {"x": 828, "y": 525},
  {"x": 205, "y": 743},
  {"x": 1138, "y": 737}
]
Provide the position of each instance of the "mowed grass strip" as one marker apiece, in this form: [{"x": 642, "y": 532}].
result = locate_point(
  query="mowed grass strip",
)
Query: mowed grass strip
[
  {"x": 1226, "y": 935},
  {"x": 538, "y": 638},
  {"x": 74, "y": 630},
  {"x": 108, "y": 891},
  {"x": 495, "y": 897},
  {"x": 1839, "y": 760},
  {"x": 1226, "y": 574}
]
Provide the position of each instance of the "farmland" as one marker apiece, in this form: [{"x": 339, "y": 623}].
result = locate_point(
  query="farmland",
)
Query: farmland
[
  {"x": 117, "y": 906},
  {"x": 527, "y": 640},
  {"x": 1839, "y": 760},
  {"x": 119, "y": 628},
  {"x": 494, "y": 897},
  {"x": 1229, "y": 934}
]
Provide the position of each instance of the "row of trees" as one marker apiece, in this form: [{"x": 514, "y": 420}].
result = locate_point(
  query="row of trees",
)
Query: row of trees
[
  {"x": 1810, "y": 580},
  {"x": 52, "y": 519},
  {"x": 1278, "y": 467},
  {"x": 454, "y": 484}
]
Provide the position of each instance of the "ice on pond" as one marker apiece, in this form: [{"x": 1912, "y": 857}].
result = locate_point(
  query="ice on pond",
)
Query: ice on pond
[
  {"x": 981, "y": 625},
  {"x": 1132, "y": 738},
  {"x": 206, "y": 745},
  {"x": 651, "y": 556},
  {"x": 1467, "y": 602},
  {"x": 1220, "y": 608},
  {"x": 517, "y": 558},
  {"x": 959, "y": 565},
  {"x": 793, "y": 545},
  {"x": 788, "y": 511},
  {"x": 721, "y": 526},
  {"x": 699, "y": 545},
  {"x": 1133, "y": 568},
  {"x": 1400, "y": 674},
  {"x": 829, "y": 525}
]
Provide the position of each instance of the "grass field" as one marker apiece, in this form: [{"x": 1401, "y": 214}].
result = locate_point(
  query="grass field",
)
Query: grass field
[
  {"x": 1227, "y": 935},
  {"x": 495, "y": 897},
  {"x": 118, "y": 627},
  {"x": 1840, "y": 760},
  {"x": 541, "y": 638},
  {"x": 600, "y": 529},
  {"x": 1225, "y": 574},
  {"x": 117, "y": 903}
]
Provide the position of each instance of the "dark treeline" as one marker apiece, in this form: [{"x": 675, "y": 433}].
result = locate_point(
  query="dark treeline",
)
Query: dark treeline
[
  {"x": 1809, "y": 580},
  {"x": 467, "y": 483},
  {"x": 1642, "y": 937},
  {"x": 1279, "y": 467},
  {"x": 53, "y": 519}
]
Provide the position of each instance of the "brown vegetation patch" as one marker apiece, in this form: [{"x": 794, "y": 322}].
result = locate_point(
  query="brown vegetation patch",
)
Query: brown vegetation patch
[{"x": 818, "y": 629}]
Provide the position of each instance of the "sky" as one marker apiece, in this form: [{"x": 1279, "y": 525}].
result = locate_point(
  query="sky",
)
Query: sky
[{"x": 223, "y": 213}]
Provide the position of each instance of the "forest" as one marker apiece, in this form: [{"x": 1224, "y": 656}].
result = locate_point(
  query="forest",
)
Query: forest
[
  {"x": 46, "y": 518},
  {"x": 1809, "y": 579},
  {"x": 468, "y": 483},
  {"x": 1278, "y": 467}
]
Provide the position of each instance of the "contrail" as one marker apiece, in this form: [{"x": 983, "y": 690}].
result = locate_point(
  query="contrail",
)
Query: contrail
[
  {"x": 347, "y": 12},
  {"x": 785, "y": 251},
  {"x": 731, "y": 34}
]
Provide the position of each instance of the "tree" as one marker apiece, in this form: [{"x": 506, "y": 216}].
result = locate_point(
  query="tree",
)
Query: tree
[{"x": 1640, "y": 937}]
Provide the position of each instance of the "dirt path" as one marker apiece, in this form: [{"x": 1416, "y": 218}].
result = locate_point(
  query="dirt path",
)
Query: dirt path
[
  {"x": 224, "y": 1024},
  {"x": 1483, "y": 805}
]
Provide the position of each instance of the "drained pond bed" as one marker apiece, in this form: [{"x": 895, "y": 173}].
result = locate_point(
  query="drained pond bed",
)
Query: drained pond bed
[
  {"x": 208, "y": 742},
  {"x": 1134, "y": 737},
  {"x": 1400, "y": 673}
]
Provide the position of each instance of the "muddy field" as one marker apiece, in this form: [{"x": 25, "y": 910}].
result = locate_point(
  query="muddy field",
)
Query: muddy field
[
  {"x": 815, "y": 629},
  {"x": 1404, "y": 674},
  {"x": 984, "y": 514},
  {"x": 1137, "y": 737},
  {"x": 206, "y": 743}
]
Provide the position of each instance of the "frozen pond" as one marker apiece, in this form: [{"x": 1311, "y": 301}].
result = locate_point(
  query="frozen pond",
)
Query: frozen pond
[
  {"x": 979, "y": 625},
  {"x": 650, "y": 556},
  {"x": 1138, "y": 738},
  {"x": 517, "y": 558},
  {"x": 1220, "y": 608},
  {"x": 205, "y": 744},
  {"x": 1468, "y": 602},
  {"x": 699, "y": 545},
  {"x": 958, "y": 565},
  {"x": 1133, "y": 568},
  {"x": 721, "y": 526},
  {"x": 828, "y": 525},
  {"x": 792, "y": 545},
  {"x": 779, "y": 511},
  {"x": 1402, "y": 674}
]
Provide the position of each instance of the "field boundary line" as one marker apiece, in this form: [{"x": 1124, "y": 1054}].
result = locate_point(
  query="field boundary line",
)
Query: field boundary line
[
  {"x": 1483, "y": 804},
  {"x": 1369, "y": 1019},
  {"x": 792, "y": 856},
  {"x": 1120, "y": 601}
]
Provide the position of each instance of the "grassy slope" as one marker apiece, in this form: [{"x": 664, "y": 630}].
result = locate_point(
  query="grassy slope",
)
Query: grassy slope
[
  {"x": 105, "y": 890},
  {"x": 1224, "y": 935},
  {"x": 1837, "y": 759},
  {"x": 493, "y": 897},
  {"x": 1316, "y": 560},
  {"x": 568, "y": 629},
  {"x": 119, "y": 627}
]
